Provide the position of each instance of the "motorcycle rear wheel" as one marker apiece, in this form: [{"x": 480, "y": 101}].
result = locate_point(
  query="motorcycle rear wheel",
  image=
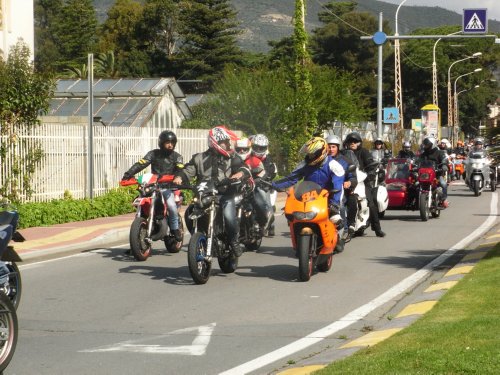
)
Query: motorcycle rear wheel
[
  {"x": 171, "y": 244},
  {"x": 305, "y": 259},
  {"x": 228, "y": 264},
  {"x": 252, "y": 246},
  {"x": 9, "y": 328},
  {"x": 493, "y": 183},
  {"x": 141, "y": 249},
  {"x": 199, "y": 267},
  {"x": 324, "y": 263},
  {"x": 15, "y": 283},
  {"x": 423, "y": 206}
]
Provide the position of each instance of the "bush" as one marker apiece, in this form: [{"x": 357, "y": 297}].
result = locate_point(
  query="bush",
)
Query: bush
[{"x": 115, "y": 202}]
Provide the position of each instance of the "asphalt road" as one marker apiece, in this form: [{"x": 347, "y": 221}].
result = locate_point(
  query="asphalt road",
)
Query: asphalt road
[{"x": 101, "y": 312}]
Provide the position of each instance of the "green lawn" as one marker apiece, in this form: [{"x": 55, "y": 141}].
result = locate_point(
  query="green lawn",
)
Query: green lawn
[{"x": 460, "y": 335}]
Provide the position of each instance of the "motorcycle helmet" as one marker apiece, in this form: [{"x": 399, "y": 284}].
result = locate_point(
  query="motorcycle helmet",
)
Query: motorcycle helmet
[
  {"x": 333, "y": 140},
  {"x": 219, "y": 140},
  {"x": 429, "y": 143},
  {"x": 314, "y": 151},
  {"x": 479, "y": 141},
  {"x": 165, "y": 136},
  {"x": 242, "y": 147},
  {"x": 353, "y": 137},
  {"x": 378, "y": 141},
  {"x": 460, "y": 143},
  {"x": 406, "y": 145},
  {"x": 260, "y": 143}
]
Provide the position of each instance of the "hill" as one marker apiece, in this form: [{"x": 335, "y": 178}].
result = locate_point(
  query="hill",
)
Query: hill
[{"x": 264, "y": 20}]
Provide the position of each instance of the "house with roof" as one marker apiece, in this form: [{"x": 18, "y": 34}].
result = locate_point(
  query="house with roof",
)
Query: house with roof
[{"x": 123, "y": 102}]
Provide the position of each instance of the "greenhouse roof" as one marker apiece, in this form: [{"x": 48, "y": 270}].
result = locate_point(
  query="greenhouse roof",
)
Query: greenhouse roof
[{"x": 117, "y": 102}]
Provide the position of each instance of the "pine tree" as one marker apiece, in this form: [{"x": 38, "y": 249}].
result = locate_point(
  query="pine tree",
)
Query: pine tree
[
  {"x": 208, "y": 39},
  {"x": 75, "y": 32},
  {"x": 46, "y": 49}
]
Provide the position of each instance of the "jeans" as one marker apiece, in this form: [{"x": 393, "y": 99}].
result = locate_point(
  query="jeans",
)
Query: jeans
[
  {"x": 263, "y": 208},
  {"x": 173, "y": 215},
  {"x": 231, "y": 223},
  {"x": 444, "y": 186}
]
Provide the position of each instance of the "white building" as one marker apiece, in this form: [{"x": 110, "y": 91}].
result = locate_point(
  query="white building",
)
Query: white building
[{"x": 16, "y": 22}]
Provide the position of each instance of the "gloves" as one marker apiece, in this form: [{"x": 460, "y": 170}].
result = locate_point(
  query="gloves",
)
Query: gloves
[{"x": 127, "y": 176}]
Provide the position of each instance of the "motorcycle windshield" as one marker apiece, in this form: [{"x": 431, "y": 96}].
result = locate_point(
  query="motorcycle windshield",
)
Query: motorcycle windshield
[{"x": 304, "y": 187}]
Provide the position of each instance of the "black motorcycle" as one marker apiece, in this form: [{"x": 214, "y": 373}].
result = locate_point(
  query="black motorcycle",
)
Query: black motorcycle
[{"x": 205, "y": 221}]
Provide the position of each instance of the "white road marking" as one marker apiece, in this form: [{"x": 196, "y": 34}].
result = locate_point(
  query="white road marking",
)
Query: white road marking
[
  {"x": 197, "y": 347},
  {"x": 364, "y": 310}
]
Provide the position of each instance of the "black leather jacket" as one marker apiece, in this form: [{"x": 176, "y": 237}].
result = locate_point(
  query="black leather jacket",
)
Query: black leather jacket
[{"x": 161, "y": 161}]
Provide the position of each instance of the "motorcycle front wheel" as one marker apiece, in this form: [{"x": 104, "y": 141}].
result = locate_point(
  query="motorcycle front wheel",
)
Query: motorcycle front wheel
[
  {"x": 140, "y": 247},
  {"x": 476, "y": 188},
  {"x": 199, "y": 266},
  {"x": 228, "y": 264},
  {"x": 9, "y": 331},
  {"x": 15, "y": 283},
  {"x": 305, "y": 259},
  {"x": 424, "y": 206}
]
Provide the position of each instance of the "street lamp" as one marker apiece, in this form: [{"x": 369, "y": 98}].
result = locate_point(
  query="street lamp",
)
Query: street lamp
[
  {"x": 450, "y": 108},
  {"x": 455, "y": 122},
  {"x": 434, "y": 71},
  {"x": 397, "y": 72}
]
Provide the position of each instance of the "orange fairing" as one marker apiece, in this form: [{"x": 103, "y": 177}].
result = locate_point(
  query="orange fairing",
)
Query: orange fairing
[{"x": 306, "y": 209}]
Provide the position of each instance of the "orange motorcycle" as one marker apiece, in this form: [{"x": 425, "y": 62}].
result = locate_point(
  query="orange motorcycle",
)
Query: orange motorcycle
[{"x": 314, "y": 236}]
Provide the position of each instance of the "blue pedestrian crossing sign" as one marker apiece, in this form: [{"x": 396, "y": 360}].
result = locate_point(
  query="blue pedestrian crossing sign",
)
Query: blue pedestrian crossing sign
[
  {"x": 475, "y": 21},
  {"x": 391, "y": 115}
]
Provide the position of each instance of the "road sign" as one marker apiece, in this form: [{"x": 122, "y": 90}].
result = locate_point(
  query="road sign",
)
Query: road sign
[
  {"x": 391, "y": 115},
  {"x": 475, "y": 21}
]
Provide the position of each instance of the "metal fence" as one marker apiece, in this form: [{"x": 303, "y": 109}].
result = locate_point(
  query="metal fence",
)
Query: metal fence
[{"x": 64, "y": 165}]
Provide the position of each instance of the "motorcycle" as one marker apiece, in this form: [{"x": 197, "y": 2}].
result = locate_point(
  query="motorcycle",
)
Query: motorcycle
[
  {"x": 206, "y": 224},
  {"x": 380, "y": 191},
  {"x": 8, "y": 316},
  {"x": 401, "y": 185},
  {"x": 150, "y": 222},
  {"x": 9, "y": 219},
  {"x": 363, "y": 213},
  {"x": 458, "y": 163},
  {"x": 314, "y": 236},
  {"x": 479, "y": 173},
  {"x": 429, "y": 191}
]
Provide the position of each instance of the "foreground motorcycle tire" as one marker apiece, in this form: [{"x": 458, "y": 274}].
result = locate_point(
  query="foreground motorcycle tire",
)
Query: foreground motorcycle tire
[
  {"x": 228, "y": 264},
  {"x": 9, "y": 328},
  {"x": 493, "y": 183},
  {"x": 171, "y": 244},
  {"x": 423, "y": 206},
  {"x": 304, "y": 242},
  {"x": 141, "y": 249},
  {"x": 199, "y": 267},
  {"x": 254, "y": 245},
  {"x": 15, "y": 283}
]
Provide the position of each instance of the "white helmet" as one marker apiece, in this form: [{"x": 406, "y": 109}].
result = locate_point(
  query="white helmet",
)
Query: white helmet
[
  {"x": 260, "y": 145},
  {"x": 333, "y": 140},
  {"x": 242, "y": 147}
]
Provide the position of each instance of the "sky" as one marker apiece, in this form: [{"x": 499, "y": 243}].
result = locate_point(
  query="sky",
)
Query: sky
[{"x": 457, "y": 6}]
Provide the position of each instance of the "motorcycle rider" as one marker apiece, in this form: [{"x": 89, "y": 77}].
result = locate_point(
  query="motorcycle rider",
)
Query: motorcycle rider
[
  {"x": 406, "y": 152},
  {"x": 369, "y": 166},
  {"x": 460, "y": 149},
  {"x": 261, "y": 162},
  {"x": 320, "y": 168},
  {"x": 217, "y": 163},
  {"x": 348, "y": 206},
  {"x": 164, "y": 161},
  {"x": 379, "y": 153},
  {"x": 432, "y": 153},
  {"x": 478, "y": 145}
]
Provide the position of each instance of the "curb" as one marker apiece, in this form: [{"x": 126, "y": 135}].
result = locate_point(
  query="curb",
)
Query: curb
[{"x": 422, "y": 303}]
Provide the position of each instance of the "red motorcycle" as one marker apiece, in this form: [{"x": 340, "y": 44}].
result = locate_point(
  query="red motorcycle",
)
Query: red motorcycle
[
  {"x": 401, "y": 185},
  {"x": 150, "y": 223},
  {"x": 430, "y": 193}
]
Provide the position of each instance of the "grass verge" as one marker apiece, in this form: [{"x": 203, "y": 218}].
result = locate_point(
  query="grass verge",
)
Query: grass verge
[{"x": 460, "y": 335}]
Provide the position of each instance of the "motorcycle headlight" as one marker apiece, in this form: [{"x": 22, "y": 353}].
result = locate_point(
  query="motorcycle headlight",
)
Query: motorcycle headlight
[
  {"x": 477, "y": 165},
  {"x": 298, "y": 215}
]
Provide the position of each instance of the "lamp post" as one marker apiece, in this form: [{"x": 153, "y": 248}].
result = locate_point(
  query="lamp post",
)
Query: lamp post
[
  {"x": 434, "y": 71},
  {"x": 450, "y": 106},
  {"x": 455, "y": 122}
]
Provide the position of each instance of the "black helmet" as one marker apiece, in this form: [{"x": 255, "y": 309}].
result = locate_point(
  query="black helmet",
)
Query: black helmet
[
  {"x": 353, "y": 137},
  {"x": 429, "y": 143},
  {"x": 166, "y": 135}
]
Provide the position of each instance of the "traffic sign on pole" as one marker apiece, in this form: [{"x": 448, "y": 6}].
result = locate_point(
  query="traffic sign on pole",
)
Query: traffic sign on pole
[
  {"x": 391, "y": 115},
  {"x": 475, "y": 21}
]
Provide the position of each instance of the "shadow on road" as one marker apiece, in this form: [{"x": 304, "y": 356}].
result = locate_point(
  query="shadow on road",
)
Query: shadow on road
[{"x": 417, "y": 259}]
